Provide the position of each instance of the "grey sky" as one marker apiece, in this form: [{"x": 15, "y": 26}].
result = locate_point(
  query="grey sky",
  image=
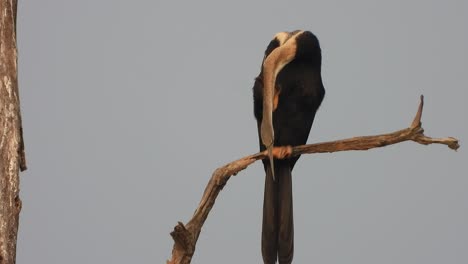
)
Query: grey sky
[{"x": 128, "y": 107}]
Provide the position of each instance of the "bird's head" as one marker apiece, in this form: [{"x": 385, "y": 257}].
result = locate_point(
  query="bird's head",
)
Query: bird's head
[{"x": 280, "y": 52}]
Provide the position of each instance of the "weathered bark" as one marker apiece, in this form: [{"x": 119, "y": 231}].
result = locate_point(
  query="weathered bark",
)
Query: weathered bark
[
  {"x": 186, "y": 236},
  {"x": 11, "y": 140}
]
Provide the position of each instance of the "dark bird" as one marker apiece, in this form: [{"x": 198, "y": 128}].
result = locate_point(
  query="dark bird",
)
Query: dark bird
[{"x": 287, "y": 93}]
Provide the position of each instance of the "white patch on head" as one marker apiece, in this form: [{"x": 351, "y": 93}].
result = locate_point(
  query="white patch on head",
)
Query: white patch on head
[{"x": 282, "y": 37}]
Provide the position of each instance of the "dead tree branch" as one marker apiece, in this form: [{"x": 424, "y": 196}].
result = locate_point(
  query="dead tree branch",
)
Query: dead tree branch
[
  {"x": 11, "y": 140},
  {"x": 186, "y": 236}
]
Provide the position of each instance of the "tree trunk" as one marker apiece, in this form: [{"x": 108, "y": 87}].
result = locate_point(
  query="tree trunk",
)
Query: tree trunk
[{"x": 11, "y": 140}]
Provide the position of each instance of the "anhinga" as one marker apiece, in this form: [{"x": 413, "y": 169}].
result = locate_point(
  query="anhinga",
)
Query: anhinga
[{"x": 287, "y": 94}]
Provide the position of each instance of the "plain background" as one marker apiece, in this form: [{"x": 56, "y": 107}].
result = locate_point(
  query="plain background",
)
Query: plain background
[{"x": 129, "y": 106}]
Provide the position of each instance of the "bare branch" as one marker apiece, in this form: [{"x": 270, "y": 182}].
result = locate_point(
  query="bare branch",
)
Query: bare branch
[{"x": 185, "y": 237}]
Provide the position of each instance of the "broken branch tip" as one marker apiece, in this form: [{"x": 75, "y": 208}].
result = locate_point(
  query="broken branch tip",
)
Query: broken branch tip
[{"x": 417, "y": 119}]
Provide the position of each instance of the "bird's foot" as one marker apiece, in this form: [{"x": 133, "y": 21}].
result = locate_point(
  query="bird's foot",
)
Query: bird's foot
[{"x": 282, "y": 152}]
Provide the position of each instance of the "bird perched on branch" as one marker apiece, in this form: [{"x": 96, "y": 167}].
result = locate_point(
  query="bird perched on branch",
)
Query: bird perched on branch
[{"x": 287, "y": 93}]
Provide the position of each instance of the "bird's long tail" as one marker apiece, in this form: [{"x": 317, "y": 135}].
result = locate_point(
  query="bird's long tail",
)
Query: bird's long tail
[{"x": 278, "y": 228}]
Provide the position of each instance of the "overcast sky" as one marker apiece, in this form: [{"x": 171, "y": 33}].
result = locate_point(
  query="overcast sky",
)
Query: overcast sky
[{"x": 129, "y": 106}]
